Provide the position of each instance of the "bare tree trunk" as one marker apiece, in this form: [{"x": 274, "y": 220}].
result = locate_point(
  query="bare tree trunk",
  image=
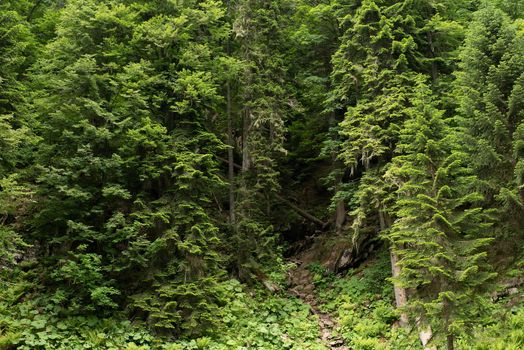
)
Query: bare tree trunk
[
  {"x": 230, "y": 157},
  {"x": 434, "y": 68},
  {"x": 340, "y": 212},
  {"x": 401, "y": 298},
  {"x": 451, "y": 342},
  {"x": 246, "y": 160},
  {"x": 230, "y": 141},
  {"x": 447, "y": 315}
]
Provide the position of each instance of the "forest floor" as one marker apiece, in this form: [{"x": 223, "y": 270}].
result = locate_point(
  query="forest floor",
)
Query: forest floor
[{"x": 302, "y": 286}]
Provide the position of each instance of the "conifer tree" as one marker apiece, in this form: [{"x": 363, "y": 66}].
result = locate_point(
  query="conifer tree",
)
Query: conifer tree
[
  {"x": 262, "y": 108},
  {"x": 18, "y": 47},
  {"x": 440, "y": 234},
  {"x": 489, "y": 91},
  {"x": 375, "y": 73},
  {"x": 126, "y": 169}
]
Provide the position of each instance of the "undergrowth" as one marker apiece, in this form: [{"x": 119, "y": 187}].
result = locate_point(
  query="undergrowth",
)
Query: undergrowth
[{"x": 250, "y": 319}]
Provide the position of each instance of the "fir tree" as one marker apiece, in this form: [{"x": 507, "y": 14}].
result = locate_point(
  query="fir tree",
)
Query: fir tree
[
  {"x": 262, "y": 109},
  {"x": 384, "y": 49}
]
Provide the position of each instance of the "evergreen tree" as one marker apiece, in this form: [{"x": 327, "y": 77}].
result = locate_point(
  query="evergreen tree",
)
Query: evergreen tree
[
  {"x": 262, "y": 107},
  {"x": 126, "y": 168},
  {"x": 18, "y": 47},
  {"x": 440, "y": 234},
  {"x": 386, "y": 49},
  {"x": 489, "y": 90},
  {"x": 386, "y": 45}
]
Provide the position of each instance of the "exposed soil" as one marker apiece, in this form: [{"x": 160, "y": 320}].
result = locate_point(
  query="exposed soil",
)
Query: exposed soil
[{"x": 302, "y": 286}]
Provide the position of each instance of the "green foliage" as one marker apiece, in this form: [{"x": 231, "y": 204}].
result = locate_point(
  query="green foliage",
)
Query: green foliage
[
  {"x": 363, "y": 302},
  {"x": 115, "y": 119},
  {"x": 489, "y": 91},
  {"x": 125, "y": 168},
  {"x": 386, "y": 49},
  {"x": 441, "y": 234},
  {"x": 251, "y": 320},
  {"x": 262, "y": 322},
  {"x": 506, "y": 334}
]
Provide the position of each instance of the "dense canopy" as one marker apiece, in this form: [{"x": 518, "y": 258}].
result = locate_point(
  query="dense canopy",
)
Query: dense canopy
[{"x": 262, "y": 174}]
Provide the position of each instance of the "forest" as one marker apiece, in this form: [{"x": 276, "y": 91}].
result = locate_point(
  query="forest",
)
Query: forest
[{"x": 262, "y": 174}]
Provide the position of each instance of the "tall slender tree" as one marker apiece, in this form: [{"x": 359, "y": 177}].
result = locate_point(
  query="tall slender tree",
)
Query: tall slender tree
[
  {"x": 262, "y": 107},
  {"x": 440, "y": 234},
  {"x": 489, "y": 91}
]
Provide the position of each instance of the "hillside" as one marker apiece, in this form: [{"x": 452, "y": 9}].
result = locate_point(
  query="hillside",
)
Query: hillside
[{"x": 261, "y": 174}]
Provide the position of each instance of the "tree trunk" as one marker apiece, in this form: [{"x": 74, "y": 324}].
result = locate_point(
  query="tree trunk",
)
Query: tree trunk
[
  {"x": 246, "y": 161},
  {"x": 340, "y": 216},
  {"x": 434, "y": 68},
  {"x": 340, "y": 212},
  {"x": 302, "y": 212},
  {"x": 230, "y": 157},
  {"x": 451, "y": 342},
  {"x": 230, "y": 141},
  {"x": 401, "y": 298}
]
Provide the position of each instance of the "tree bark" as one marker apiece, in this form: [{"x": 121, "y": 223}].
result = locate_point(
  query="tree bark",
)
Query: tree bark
[
  {"x": 434, "y": 68},
  {"x": 340, "y": 216},
  {"x": 340, "y": 212},
  {"x": 401, "y": 298},
  {"x": 246, "y": 160},
  {"x": 230, "y": 157},
  {"x": 451, "y": 342},
  {"x": 230, "y": 141}
]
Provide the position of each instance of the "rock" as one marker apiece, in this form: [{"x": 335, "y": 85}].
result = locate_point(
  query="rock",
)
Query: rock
[
  {"x": 345, "y": 260},
  {"x": 272, "y": 287},
  {"x": 337, "y": 342},
  {"x": 513, "y": 291}
]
